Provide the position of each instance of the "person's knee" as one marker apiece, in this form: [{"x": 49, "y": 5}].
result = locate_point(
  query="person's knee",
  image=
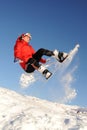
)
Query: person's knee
[
  {"x": 33, "y": 61},
  {"x": 42, "y": 51}
]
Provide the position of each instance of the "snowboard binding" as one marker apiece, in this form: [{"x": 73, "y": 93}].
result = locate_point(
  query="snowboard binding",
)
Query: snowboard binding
[{"x": 60, "y": 56}]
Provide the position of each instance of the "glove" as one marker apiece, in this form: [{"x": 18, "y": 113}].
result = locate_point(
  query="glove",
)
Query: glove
[
  {"x": 16, "y": 60},
  {"x": 43, "y": 61}
]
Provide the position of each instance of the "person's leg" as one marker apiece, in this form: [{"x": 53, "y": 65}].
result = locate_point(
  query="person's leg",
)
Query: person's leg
[
  {"x": 42, "y": 52},
  {"x": 29, "y": 68},
  {"x": 60, "y": 56},
  {"x": 33, "y": 65}
]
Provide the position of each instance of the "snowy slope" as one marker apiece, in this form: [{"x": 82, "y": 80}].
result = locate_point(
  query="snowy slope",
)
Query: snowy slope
[{"x": 19, "y": 112}]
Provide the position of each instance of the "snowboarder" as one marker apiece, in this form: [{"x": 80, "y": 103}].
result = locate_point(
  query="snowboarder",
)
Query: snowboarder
[{"x": 29, "y": 59}]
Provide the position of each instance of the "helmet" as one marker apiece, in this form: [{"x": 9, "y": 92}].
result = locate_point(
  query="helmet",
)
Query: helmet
[{"x": 28, "y": 34}]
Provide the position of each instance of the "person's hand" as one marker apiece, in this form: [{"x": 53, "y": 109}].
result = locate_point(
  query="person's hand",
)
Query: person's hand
[
  {"x": 43, "y": 61},
  {"x": 17, "y": 60}
]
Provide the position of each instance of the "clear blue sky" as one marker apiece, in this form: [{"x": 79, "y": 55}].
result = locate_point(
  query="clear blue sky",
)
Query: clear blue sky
[{"x": 53, "y": 24}]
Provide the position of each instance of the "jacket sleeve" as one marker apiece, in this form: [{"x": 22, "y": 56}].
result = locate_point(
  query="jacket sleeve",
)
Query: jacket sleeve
[{"x": 17, "y": 50}]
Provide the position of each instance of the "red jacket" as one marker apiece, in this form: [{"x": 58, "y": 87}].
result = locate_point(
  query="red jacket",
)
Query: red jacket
[{"x": 24, "y": 51}]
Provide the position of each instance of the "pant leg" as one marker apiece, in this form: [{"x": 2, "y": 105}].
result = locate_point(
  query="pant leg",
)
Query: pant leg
[
  {"x": 42, "y": 52},
  {"x": 31, "y": 65},
  {"x": 30, "y": 68},
  {"x": 36, "y": 58}
]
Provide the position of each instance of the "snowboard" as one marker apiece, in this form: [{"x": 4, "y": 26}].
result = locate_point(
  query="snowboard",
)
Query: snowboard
[{"x": 28, "y": 79}]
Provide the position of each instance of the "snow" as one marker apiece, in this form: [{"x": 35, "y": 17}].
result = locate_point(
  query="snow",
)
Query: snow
[{"x": 21, "y": 112}]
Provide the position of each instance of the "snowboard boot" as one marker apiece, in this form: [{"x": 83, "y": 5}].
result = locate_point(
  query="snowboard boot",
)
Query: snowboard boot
[
  {"x": 60, "y": 56},
  {"x": 46, "y": 73}
]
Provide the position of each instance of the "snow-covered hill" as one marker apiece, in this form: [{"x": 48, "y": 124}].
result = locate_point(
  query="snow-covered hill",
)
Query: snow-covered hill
[{"x": 19, "y": 112}]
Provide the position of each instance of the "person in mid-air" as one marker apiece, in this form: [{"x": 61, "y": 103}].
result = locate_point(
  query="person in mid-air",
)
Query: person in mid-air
[{"x": 31, "y": 60}]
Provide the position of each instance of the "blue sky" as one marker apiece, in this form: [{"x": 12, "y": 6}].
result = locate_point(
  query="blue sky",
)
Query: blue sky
[{"x": 53, "y": 24}]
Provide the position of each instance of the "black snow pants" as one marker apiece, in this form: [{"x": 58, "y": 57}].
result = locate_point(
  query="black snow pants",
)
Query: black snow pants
[{"x": 36, "y": 59}]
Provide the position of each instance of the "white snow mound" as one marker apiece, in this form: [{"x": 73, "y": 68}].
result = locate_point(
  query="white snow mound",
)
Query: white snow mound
[{"x": 19, "y": 112}]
